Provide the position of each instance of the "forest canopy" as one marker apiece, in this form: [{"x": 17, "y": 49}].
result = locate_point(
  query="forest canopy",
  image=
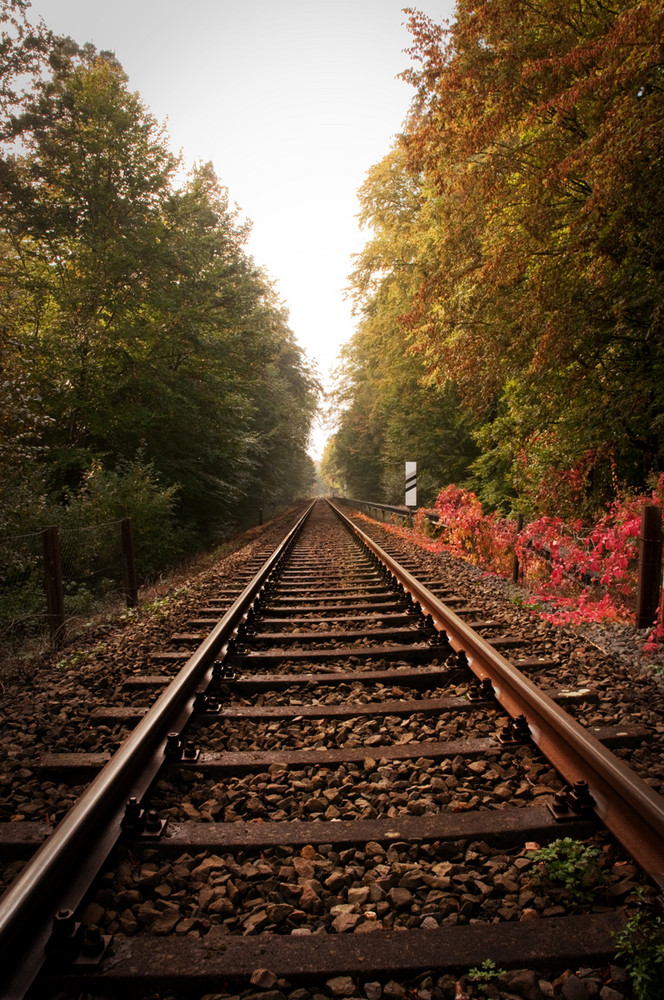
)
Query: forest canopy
[
  {"x": 140, "y": 345},
  {"x": 510, "y": 296}
]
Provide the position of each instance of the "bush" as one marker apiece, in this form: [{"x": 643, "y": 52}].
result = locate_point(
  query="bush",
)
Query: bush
[{"x": 133, "y": 490}]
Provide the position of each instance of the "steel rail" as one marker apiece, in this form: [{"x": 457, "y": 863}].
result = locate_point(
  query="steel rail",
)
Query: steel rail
[
  {"x": 82, "y": 840},
  {"x": 401, "y": 511},
  {"x": 626, "y": 804}
]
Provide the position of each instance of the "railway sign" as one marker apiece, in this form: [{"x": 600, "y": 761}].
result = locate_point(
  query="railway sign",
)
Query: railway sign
[{"x": 411, "y": 484}]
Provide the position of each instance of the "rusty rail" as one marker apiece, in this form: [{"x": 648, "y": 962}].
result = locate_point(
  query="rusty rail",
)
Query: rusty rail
[
  {"x": 627, "y": 806},
  {"x": 81, "y": 842}
]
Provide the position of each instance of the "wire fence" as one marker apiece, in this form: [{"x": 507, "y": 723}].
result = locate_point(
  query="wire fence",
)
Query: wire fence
[
  {"x": 92, "y": 570},
  {"x": 22, "y": 600},
  {"x": 91, "y": 562}
]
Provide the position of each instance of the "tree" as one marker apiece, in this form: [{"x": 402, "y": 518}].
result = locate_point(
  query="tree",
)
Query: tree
[
  {"x": 358, "y": 437},
  {"x": 83, "y": 216},
  {"x": 149, "y": 333},
  {"x": 23, "y": 55},
  {"x": 390, "y": 412},
  {"x": 534, "y": 129},
  {"x": 24, "y": 49},
  {"x": 22, "y": 426},
  {"x": 285, "y": 396}
]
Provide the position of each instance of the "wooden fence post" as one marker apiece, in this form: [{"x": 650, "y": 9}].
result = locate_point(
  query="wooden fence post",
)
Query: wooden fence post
[
  {"x": 515, "y": 560},
  {"x": 650, "y": 566},
  {"x": 55, "y": 597},
  {"x": 129, "y": 562}
]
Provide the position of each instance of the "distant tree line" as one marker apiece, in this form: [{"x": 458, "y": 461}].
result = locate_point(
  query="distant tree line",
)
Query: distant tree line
[
  {"x": 511, "y": 293},
  {"x": 146, "y": 363}
]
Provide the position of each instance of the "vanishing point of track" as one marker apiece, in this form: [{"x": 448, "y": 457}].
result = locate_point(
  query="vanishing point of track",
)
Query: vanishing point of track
[{"x": 370, "y": 772}]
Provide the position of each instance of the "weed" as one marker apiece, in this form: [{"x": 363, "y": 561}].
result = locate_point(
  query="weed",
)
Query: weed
[
  {"x": 72, "y": 660},
  {"x": 640, "y": 945},
  {"x": 159, "y": 606},
  {"x": 572, "y": 865},
  {"x": 486, "y": 975},
  {"x": 77, "y": 657}
]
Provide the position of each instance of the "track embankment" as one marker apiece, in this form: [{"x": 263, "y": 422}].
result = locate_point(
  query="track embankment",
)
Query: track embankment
[{"x": 347, "y": 800}]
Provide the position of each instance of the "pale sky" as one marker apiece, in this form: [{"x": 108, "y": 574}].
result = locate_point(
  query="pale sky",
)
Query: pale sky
[{"x": 292, "y": 100}]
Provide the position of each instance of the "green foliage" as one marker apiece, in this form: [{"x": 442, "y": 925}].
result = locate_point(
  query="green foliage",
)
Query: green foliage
[
  {"x": 146, "y": 366},
  {"x": 516, "y": 257},
  {"x": 160, "y": 607},
  {"x": 571, "y": 865},
  {"x": 23, "y": 51},
  {"x": 640, "y": 945},
  {"x": 131, "y": 490},
  {"x": 23, "y": 502},
  {"x": 21, "y": 609},
  {"x": 487, "y": 974},
  {"x": 77, "y": 658},
  {"x": 387, "y": 411}
]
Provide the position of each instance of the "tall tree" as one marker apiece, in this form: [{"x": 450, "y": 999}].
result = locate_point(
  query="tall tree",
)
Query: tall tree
[
  {"x": 24, "y": 51},
  {"x": 82, "y": 212},
  {"x": 536, "y": 129},
  {"x": 390, "y": 411},
  {"x": 147, "y": 326}
]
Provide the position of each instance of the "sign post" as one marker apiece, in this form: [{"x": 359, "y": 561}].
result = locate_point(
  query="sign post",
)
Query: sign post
[{"x": 411, "y": 484}]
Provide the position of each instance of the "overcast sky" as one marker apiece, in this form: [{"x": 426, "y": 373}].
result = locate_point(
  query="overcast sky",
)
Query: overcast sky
[{"x": 292, "y": 100}]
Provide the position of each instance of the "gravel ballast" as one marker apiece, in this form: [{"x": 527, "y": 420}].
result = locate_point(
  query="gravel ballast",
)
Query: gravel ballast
[{"x": 319, "y": 889}]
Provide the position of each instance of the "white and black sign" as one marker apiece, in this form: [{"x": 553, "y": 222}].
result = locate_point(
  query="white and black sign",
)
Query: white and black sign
[{"x": 411, "y": 484}]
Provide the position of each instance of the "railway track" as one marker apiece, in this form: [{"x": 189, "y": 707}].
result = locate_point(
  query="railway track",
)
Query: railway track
[{"x": 335, "y": 780}]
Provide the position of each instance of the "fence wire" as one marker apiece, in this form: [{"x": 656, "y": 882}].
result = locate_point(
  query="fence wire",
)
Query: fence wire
[
  {"x": 92, "y": 572},
  {"x": 91, "y": 565},
  {"x": 22, "y": 600}
]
